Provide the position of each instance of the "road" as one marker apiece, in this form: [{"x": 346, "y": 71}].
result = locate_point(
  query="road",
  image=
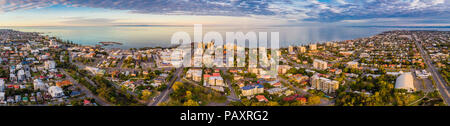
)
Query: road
[
  {"x": 86, "y": 91},
  {"x": 420, "y": 99},
  {"x": 441, "y": 84},
  {"x": 165, "y": 94},
  {"x": 232, "y": 96}
]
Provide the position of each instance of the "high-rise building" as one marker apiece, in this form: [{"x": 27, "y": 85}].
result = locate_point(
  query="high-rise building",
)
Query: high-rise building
[
  {"x": 324, "y": 84},
  {"x": 320, "y": 64},
  {"x": 291, "y": 50},
  {"x": 301, "y": 49},
  {"x": 328, "y": 43},
  {"x": 313, "y": 47}
]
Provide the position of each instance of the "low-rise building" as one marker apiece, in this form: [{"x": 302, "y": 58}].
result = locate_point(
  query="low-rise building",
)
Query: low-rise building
[
  {"x": 405, "y": 81},
  {"x": 352, "y": 64},
  {"x": 282, "y": 69},
  {"x": 194, "y": 74},
  {"x": 422, "y": 74},
  {"x": 2, "y": 85},
  {"x": 216, "y": 81},
  {"x": 274, "y": 91},
  {"x": 50, "y": 64},
  {"x": 262, "y": 98},
  {"x": 55, "y": 91},
  {"x": 251, "y": 90},
  {"x": 38, "y": 84}
]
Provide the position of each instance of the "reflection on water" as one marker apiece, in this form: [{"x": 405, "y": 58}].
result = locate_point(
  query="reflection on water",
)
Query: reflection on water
[{"x": 137, "y": 37}]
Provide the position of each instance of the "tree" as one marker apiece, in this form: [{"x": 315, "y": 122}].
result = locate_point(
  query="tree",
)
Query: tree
[
  {"x": 3, "y": 73},
  {"x": 177, "y": 85},
  {"x": 188, "y": 94},
  {"x": 190, "y": 102},
  {"x": 146, "y": 94},
  {"x": 314, "y": 100},
  {"x": 272, "y": 103}
]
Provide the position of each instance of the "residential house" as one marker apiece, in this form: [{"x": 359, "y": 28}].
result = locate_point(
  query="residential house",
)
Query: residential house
[{"x": 262, "y": 98}]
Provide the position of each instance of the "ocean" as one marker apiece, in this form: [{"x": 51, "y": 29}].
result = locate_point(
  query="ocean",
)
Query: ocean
[{"x": 160, "y": 36}]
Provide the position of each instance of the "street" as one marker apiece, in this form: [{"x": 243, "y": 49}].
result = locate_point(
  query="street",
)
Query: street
[
  {"x": 440, "y": 82},
  {"x": 163, "y": 96},
  {"x": 86, "y": 91}
]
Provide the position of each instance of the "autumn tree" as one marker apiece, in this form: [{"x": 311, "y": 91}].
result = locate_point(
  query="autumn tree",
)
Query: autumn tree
[
  {"x": 146, "y": 94},
  {"x": 188, "y": 94},
  {"x": 190, "y": 102},
  {"x": 177, "y": 85},
  {"x": 314, "y": 100}
]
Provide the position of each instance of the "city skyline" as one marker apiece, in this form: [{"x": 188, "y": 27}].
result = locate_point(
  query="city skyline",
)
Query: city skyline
[{"x": 233, "y": 12}]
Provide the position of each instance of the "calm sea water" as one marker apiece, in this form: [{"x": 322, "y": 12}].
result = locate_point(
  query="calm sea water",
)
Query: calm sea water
[{"x": 152, "y": 36}]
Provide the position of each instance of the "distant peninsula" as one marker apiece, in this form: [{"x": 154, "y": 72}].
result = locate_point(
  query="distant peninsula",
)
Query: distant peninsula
[{"x": 110, "y": 43}]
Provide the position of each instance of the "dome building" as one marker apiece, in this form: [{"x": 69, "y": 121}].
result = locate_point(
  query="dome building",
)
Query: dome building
[{"x": 405, "y": 81}]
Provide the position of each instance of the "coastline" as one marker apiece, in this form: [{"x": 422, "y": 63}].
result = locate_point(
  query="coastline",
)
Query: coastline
[{"x": 298, "y": 37}]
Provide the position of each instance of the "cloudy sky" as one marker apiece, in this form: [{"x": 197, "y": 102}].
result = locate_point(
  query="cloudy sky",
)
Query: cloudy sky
[{"x": 225, "y": 12}]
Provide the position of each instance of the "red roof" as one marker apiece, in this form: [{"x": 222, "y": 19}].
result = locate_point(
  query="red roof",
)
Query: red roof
[
  {"x": 301, "y": 99},
  {"x": 277, "y": 84},
  {"x": 290, "y": 98},
  {"x": 87, "y": 102},
  {"x": 206, "y": 75},
  {"x": 261, "y": 97},
  {"x": 216, "y": 74}
]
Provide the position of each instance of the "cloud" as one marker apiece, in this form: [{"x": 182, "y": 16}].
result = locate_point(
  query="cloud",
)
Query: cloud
[
  {"x": 292, "y": 10},
  {"x": 88, "y": 21}
]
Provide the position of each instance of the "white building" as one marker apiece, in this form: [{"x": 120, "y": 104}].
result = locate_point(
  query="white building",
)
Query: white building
[
  {"x": 291, "y": 50},
  {"x": 422, "y": 74},
  {"x": 2, "y": 97},
  {"x": 12, "y": 77},
  {"x": 352, "y": 64},
  {"x": 55, "y": 91},
  {"x": 2, "y": 85},
  {"x": 39, "y": 85},
  {"x": 50, "y": 64},
  {"x": 364, "y": 55},
  {"x": 405, "y": 81},
  {"x": 301, "y": 49},
  {"x": 194, "y": 74},
  {"x": 53, "y": 43},
  {"x": 21, "y": 75},
  {"x": 320, "y": 64},
  {"x": 216, "y": 81},
  {"x": 313, "y": 47},
  {"x": 95, "y": 70},
  {"x": 324, "y": 84}
]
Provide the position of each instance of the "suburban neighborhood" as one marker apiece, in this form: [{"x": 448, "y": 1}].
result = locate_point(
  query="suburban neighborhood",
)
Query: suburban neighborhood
[{"x": 394, "y": 68}]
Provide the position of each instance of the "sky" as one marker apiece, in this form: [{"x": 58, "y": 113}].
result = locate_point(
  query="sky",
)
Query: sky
[{"x": 225, "y": 12}]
